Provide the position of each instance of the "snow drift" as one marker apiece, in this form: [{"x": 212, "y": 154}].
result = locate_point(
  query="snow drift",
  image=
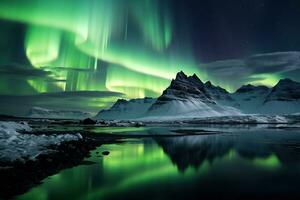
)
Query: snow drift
[{"x": 16, "y": 146}]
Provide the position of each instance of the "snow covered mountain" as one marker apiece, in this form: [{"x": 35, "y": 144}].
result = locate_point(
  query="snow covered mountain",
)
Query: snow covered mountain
[
  {"x": 250, "y": 98},
  {"x": 217, "y": 93},
  {"x": 183, "y": 88},
  {"x": 38, "y": 112},
  {"x": 189, "y": 97},
  {"x": 186, "y": 97},
  {"x": 284, "y": 98},
  {"x": 124, "y": 109},
  {"x": 285, "y": 90}
]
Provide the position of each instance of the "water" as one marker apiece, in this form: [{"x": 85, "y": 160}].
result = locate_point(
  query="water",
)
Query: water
[{"x": 237, "y": 163}]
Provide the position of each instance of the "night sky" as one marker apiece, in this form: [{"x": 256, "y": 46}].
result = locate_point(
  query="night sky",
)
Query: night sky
[
  {"x": 96, "y": 51},
  {"x": 239, "y": 28}
]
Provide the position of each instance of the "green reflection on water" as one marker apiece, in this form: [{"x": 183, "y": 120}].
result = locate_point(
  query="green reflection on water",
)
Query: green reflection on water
[
  {"x": 128, "y": 165},
  {"x": 133, "y": 165},
  {"x": 271, "y": 161},
  {"x": 120, "y": 129}
]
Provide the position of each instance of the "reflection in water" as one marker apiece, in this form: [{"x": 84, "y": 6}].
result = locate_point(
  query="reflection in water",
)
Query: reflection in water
[
  {"x": 194, "y": 150},
  {"x": 248, "y": 163}
]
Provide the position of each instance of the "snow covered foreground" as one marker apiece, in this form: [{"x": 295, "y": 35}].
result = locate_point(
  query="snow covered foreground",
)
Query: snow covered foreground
[{"x": 15, "y": 146}]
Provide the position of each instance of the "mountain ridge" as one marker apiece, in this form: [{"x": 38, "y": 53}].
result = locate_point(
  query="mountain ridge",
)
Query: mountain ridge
[{"x": 188, "y": 96}]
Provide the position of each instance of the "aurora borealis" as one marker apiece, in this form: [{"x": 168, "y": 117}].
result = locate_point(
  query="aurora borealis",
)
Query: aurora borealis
[{"x": 133, "y": 48}]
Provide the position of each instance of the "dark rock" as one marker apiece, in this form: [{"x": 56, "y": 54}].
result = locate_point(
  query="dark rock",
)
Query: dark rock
[
  {"x": 19, "y": 177},
  {"x": 89, "y": 121},
  {"x": 250, "y": 88},
  {"x": 138, "y": 124},
  {"x": 105, "y": 153}
]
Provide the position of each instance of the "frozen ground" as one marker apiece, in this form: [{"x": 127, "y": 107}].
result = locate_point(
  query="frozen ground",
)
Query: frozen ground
[
  {"x": 234, "y": 119},
  {"x": 16, "y": 146}
]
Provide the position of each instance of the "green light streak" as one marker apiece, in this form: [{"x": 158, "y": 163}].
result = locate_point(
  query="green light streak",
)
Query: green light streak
[
  {"x": 126, "y": 81},
  {"x": 266, "y": 79},
  {"x": 141, "y": 60},
  {"x": 156, "y": 27},
  {"x": 42, "y": 45},
  {"x": 137, "y": 36},
  {"x": 73, "y": 43},
  {"x": 271, "y": 162},
  {"x": 42, "y": 86}
]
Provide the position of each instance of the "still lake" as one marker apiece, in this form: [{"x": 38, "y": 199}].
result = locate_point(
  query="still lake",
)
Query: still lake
[{"x": 230, "y": 162}]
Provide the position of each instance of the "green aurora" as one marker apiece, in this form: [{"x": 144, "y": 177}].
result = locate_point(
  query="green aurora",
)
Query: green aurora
[
  {"x": 124, "y": 46},
  {"x": 73, "y": 39}
]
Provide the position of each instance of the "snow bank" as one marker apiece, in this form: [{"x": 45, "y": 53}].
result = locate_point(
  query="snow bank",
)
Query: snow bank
[
  {"x": 15, "y": 146},
  {"x": 246, "y": 119}
]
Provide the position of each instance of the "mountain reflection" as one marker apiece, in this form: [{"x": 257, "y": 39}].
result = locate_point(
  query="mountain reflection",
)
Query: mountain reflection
[
  {"x": 237, "y": 163},
  {"x": 257, "y": 147}
]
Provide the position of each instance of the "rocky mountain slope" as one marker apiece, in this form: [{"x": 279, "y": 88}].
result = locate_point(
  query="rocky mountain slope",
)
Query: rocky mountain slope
[{"x": 188, "y": 96}]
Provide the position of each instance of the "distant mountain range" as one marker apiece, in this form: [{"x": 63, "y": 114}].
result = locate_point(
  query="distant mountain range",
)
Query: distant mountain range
[
  {"x": 37, "y": 112},
  {"x": 189, "y": 97}
]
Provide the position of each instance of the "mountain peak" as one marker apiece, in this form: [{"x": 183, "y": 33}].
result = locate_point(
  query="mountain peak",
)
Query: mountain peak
[
  {"x": 184, "y": 88},
  {"x": 120, "y": 101},
  {"x": 285, "y": 90},
  {"x": 208, "y": 84},
  {"x": 195, "y": 79},
  {"x": 245, "y": 88},
  {"x": 286, "y": 81},
  {"x": 181, "y": 75},
  {"x": 248, "y": 88},
  {"x": 195, "y": 76}
]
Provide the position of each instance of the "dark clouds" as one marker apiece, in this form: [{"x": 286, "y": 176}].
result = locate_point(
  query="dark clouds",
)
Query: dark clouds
[
  {"x": 241, "y": 70},
  {"x": 226, "y": 67},
  {"x": 273, "y": 62}
]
